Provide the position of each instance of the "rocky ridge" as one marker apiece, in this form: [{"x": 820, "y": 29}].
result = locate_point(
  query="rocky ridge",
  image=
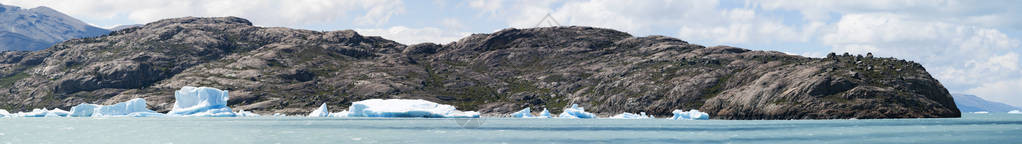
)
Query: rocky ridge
[{"x": 282, "y": 70}]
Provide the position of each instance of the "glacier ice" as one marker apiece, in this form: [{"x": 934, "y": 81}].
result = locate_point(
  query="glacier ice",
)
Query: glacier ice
[
  {"x": 132, "y": 108},
  {"x": 243, "y": 113},
  {"x": 626, "y": 115},
  {"x": 544, "y": 114},
  {"x": 5, "y": 113},
  {"x": 524, "y": 113},
  {"x": 201, "y": 101},
  {"x": 981, "y": 112},
  {"x": 576, "y": 112},
  {"x": 404, "y": 108},
  {"x": 320, "y": 112},
  {"x": 1011, "y": 112},
  {"x": 690, "y": 115},
  {"x": 56, "y": 112}
]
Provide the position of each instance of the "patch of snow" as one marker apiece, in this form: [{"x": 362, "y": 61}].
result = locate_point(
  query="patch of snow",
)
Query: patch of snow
[
  {"x": 244, "y": 113},
  {"x": 404, "y": 108},
  {"x": 131, "y": 108},
  {"x": 1011, "y": 112},
  {"x": 320, "y": 112},
  {"x": 576, "y": 112},
  {"x": 690, "y": 115},
  {"x": 626, "y": 115},
  {"x": 524, "y": 113},
  {"x": 201, "y": 101}
]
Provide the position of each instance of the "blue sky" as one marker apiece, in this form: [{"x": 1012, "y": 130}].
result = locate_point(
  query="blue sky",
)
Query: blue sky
[{"x": 972, "y": 47}]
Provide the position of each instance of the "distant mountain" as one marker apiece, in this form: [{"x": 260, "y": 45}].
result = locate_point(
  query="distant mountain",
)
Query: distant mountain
[
  {"x": 39, "y": 28},
  {"x": 972, "y": 103}
]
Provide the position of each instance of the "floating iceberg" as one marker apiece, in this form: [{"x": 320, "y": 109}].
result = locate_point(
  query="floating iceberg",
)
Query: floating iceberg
[
  {"x": 576, "y": 112},
  {"x": 544, "y": 114},
  {"x": 131, "y": 108},
  {"x": 641, "y": 115},
  {"x": 524, "y": 113},
  {"x": 1011, "y": 112},
  {"x": 201, "y": 101},
  {"x": 690, "y": 115},
  {"x": 320, "y": 112},
  {"x": 403, "y": 108},
  {"x": 5, "y": 113},
  {"x": 244, "y": 113},
  {"x": 981, "y": 112},
  {"x": 56, "y": 112}
]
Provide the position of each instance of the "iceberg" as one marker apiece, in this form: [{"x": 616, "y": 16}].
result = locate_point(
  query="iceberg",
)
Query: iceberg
[
  {"x": 201, "y": 101},
  {"x": 57, "y": 112},
  {"x": 33, "y": 113},
  {"x": 1011, "y": 112},
  {"x": 4, "y": 113},
  {"x": 320, "y": 112},
  {"x": 690, "y": 115},
  {"x": 626, "y": 115},
  {"x": 244, "y": 113},
  {"x": 131, "y": 108},
  {"x": 981, "y": 112},
  {"x": 576, "y": 112},
  {"x": 544, "y": 114},
  {"x": 404, "y": 108},
  {"x": 524, "y": 113}
]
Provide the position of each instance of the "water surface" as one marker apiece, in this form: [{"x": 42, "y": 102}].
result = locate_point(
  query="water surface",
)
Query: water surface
[{"x": 972, "y": 128}]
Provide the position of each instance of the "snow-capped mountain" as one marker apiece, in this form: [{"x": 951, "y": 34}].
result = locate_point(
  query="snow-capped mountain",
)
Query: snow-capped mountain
[{"x": 39, "y": 28}]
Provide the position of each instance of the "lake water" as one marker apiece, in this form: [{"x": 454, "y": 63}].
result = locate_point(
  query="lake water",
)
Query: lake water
[{"x": 972, "y": 128}]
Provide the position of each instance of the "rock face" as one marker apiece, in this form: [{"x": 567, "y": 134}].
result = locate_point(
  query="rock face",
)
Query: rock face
[
  {"x": 39, "y": 28},
  {"x": 281, "y": 70}
]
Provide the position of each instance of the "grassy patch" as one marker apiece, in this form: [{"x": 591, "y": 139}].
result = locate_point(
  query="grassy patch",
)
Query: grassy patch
[{"x": 8, "y": 81}]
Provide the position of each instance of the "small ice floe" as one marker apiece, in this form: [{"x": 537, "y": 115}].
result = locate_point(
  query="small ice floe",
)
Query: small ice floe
[
  {"x": 626, "y": 115},
  {"x": 981, "y": 112},
  {"x": 131, "y": 108},
  {"x": 690, "y": 115},
  {"x": 201, "y": 101},
  {"x": 244, "y": 113},
  {"x": 320, "y": 112},
  {"x": 403, "y": 108},
  {"x": 576, "y": 112},
  {"x": 56, "y": 112},
  {"x": 524, "y": 113},
  {"x": 1011, "y": 112},
  {"x": 544, "y": 114}
]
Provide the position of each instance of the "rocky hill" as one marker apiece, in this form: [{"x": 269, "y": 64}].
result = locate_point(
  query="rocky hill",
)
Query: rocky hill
[
  {"x": 39, "y": 28},
  {"x": 270, "y": 70},
  {"x": 973, "y": 103}
]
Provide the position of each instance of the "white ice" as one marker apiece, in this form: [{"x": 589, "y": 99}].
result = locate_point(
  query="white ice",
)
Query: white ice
[
  {"x": 1011, "y": 112},
  {"x": 544, "y": 114},
  {"x": 201, "y": 101},
  {"x": 690, "y": 115},
  {"x": 131, "y": 108},
  {"x": 320, "y": 112},
  {"x": 5, "y": 113},
  {"x": 404, "y": 108},
  {"x": 626, "y": 115},
  {"x": 524, "y": 113},
  {"x": 576, "y": 112},
  {"x": 981, "y": 112}
]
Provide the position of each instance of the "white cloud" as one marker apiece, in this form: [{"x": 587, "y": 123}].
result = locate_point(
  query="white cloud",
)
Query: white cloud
[
  {"x": 411, "y": 36},
  {"x": 1006, "y": 91},
  {"x": 264, "y": 12}
]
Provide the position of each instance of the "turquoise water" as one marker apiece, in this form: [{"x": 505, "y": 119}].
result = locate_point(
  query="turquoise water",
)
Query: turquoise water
[{"x": 973, "y": 128}]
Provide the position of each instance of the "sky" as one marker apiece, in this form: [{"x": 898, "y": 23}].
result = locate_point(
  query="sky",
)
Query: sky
[{"x": 971, "y": 47}]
